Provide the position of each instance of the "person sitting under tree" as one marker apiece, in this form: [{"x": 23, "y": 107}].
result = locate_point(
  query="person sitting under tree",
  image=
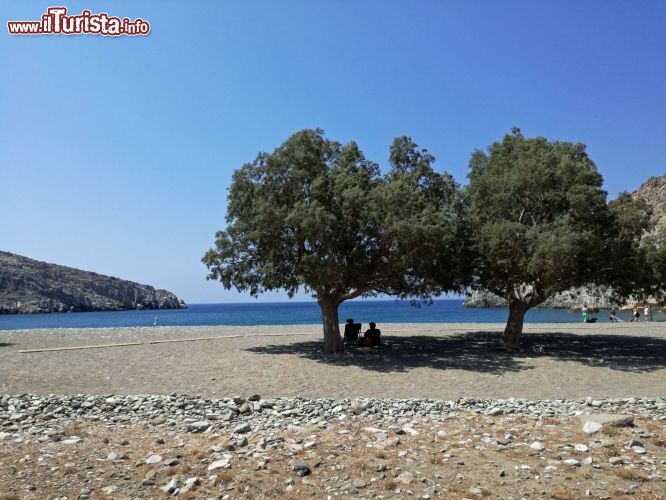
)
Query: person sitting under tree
[{"x": 371, "y": 337}]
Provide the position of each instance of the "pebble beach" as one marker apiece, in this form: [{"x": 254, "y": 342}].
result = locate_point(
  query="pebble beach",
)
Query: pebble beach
[
  {"x": 440, "y": 411},
  {"x": 442, "y": 361}
]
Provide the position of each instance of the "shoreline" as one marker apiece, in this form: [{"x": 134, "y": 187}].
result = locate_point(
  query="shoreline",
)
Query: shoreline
[{"x": 393, "y": 325}]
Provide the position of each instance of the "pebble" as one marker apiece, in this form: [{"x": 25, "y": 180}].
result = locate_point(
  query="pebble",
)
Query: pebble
[
  {"x": 153, "y": 459},
  {"x": 591, "y": 427},
  {"x": 199, "y": 426},
  {"x": 220, "y": 464},
  {"x": 301, "y": 467},
  {"x": 405, "y": 478}
]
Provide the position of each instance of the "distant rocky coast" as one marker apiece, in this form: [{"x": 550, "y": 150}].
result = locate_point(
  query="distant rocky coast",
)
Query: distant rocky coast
[{"x": 31, "y": 286}]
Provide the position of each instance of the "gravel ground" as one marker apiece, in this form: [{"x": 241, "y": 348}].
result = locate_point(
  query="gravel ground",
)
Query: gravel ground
[
  {"x": 440, "y": 361},
  {"x": 88, "y": 447},
  {"x": 440, "y": 411}
]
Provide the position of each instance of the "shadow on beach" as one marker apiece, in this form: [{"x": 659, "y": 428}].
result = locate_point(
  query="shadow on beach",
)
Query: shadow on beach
[
  {"x": 5, "y": 344},
  {"x": 482, "y": 352}
]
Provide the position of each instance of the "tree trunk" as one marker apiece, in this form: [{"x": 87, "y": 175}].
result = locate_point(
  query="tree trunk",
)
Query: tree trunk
[
  {"x": 514, "y": 325},
  {"x": 329, "y": 314}
]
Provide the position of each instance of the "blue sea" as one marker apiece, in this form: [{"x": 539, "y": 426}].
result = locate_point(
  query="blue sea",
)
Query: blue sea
[{"x": 290, "y": 313}]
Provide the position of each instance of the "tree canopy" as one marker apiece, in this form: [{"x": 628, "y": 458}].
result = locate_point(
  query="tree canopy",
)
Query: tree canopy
[
  {"x": 540, "y": 223},
  {"x": 316, "y": 214}
]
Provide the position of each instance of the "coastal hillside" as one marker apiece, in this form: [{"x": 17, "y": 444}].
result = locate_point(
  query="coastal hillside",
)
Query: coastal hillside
[
  {"x": 653, "y": 191},
  {"x": 31, "y": 286}
]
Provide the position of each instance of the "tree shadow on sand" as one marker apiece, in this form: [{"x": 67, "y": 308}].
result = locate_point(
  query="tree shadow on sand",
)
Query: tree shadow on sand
[{"x": 482, "y": 352}]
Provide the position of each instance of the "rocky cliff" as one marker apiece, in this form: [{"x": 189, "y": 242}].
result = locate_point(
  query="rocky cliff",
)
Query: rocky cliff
[
  {"x": 653, "y": 191},
  {"x": 30, "y": 286}
]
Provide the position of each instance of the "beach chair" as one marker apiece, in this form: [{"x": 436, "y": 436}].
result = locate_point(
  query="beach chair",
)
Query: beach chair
[{"x": 351, "y": 333}]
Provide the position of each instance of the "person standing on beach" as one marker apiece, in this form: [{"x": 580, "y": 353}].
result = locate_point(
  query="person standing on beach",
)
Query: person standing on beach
[
  {"x": 586, "y": 314},
  {"x": 647, "y": 313},
  {"x": 613, "y": 315},
  {"x": 635, "y": 316}
]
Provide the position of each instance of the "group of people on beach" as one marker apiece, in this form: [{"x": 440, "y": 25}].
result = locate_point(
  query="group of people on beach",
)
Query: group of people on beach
[
  {"x": 371, "y": 337},
  {"x": 635, "y": 314}
]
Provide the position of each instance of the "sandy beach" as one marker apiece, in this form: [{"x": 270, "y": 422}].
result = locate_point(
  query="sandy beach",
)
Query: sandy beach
[{"x": 441, "y": 361}]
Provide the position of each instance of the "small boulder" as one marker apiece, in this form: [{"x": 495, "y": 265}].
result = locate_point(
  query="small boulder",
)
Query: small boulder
[{"x": 301, "y": 467}]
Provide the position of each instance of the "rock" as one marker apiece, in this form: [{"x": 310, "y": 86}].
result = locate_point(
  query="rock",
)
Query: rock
[
  {"x": 537, "y": 446},
  {"x": 227, "y": 445},
  {"x": 220, "y": 464},
  {"x": 149, "y": 478},
  {"x": 189, "y": 484},
  {"x": 171, "y": 487},
  {"x": 153, "y": 459},
  {"x": 107, "y": 490},
  {"x": 405, "y": 478},
  {"x": 610, "y": 420},
  {"x": 572, "y": 462},
  {"x": 242, "y": 428},
  {"x": 359, "y": 483},
  {"x": 198, "y": 426},
  {"x": 159, "y": 420},
  {"x": 254, "y": 397},
  {"x": 616, "y": 460},
  {"x": 301, "y": 467},
  {"x": 388, "y": 443},
  {"x": 71, "y": 440},
  {"x": 171, "y": 462},
  {"x": 581, "y": 447},
  {"x": 244, "y": 409},
  {"x": 591, "y": 427}
]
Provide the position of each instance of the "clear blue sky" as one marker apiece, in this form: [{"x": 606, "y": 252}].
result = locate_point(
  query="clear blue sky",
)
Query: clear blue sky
[{"x": 116, "y": 153}]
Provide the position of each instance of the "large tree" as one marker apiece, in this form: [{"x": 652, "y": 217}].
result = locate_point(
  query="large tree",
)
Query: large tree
[
  {"x": 539, "y": 222},
  {"x": 317, "y": 215}
]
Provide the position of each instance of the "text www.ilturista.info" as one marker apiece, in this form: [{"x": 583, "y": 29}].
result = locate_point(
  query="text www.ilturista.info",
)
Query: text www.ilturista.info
[{"x": 57, "y": 22}]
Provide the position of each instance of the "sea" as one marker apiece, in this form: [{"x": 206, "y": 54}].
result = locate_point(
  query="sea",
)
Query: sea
[{"x": 292, "y": 313}]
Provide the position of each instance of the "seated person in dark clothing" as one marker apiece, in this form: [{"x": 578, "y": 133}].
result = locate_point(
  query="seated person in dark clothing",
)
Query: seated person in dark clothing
[
  {"x": 371, "y": 337},
  {"x": 351, "y": 332}
]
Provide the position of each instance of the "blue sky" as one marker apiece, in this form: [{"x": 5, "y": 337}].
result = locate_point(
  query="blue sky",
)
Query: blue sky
[{"x": 116, "y": 153}]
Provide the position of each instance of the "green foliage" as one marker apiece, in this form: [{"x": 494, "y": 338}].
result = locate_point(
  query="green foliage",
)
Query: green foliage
[
  {"x": 317, "y": 214},
  {"x": 627, "y": 251},
  {"x": 537, "y": 217}
]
